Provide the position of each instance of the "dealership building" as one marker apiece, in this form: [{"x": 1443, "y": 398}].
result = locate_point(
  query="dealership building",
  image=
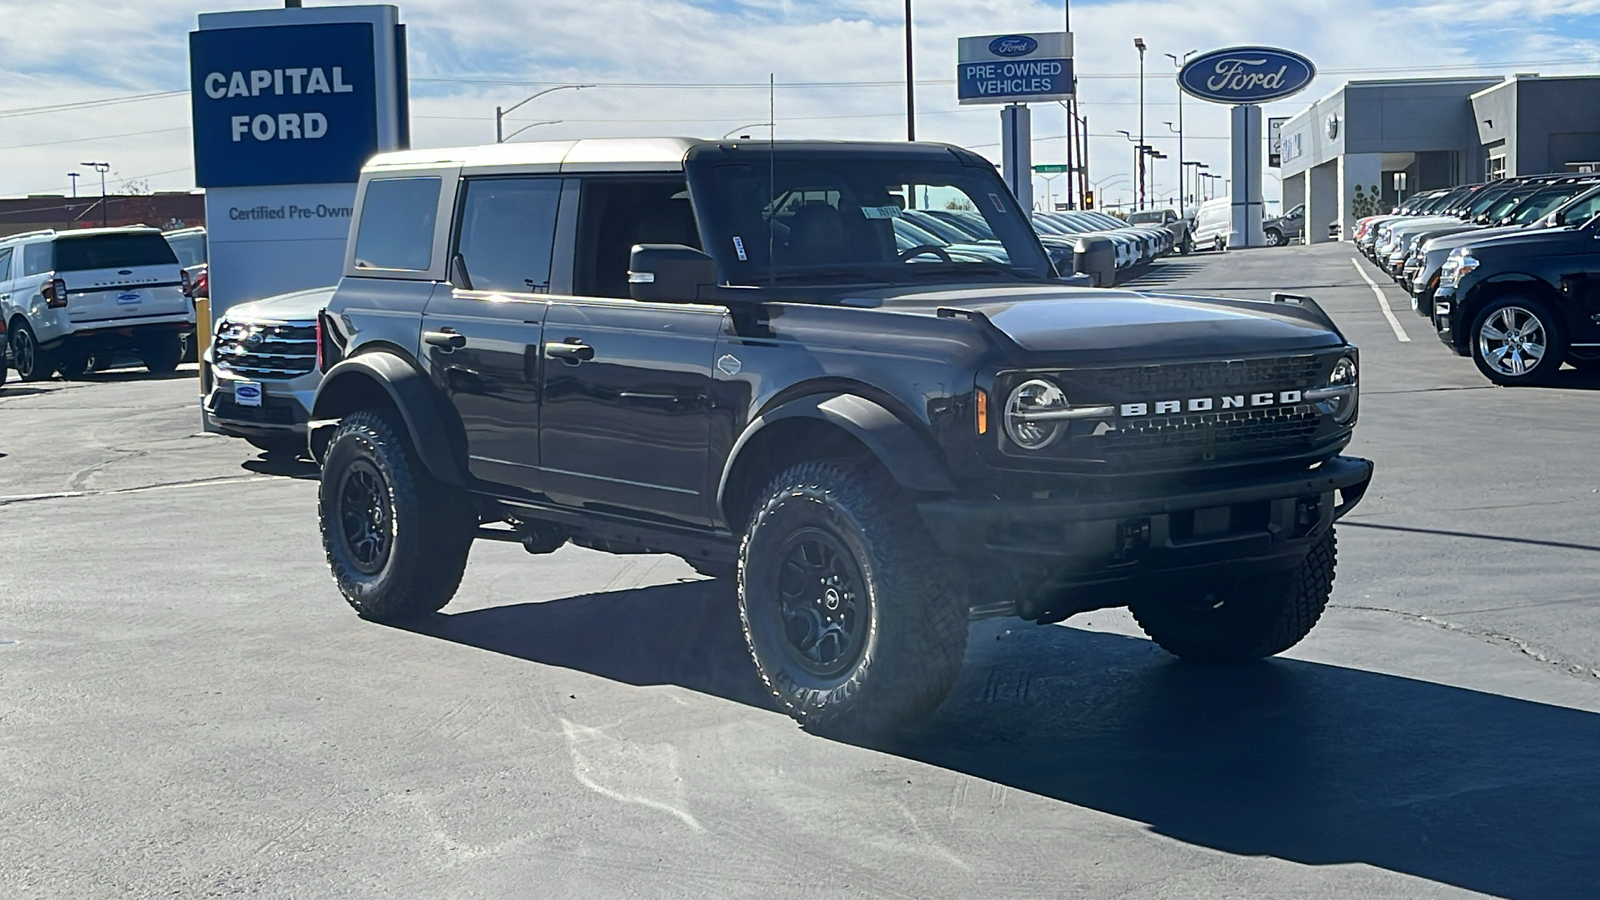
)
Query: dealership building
[{"x": 1363, "y": 147}]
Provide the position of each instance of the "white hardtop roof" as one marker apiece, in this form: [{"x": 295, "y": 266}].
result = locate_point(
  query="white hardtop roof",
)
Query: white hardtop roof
[{"x": 590, "y": 154}]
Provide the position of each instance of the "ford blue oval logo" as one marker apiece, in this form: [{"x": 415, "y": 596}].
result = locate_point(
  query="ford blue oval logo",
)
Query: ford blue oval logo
[
  {"x": 1246, "y": 75},
  {"x": 1013, "y": 45}
]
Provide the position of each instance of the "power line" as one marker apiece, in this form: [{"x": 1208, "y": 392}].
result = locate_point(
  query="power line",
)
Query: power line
[
  {"x": 86, "y": 104},
  {"x": 102, "y": 137}
]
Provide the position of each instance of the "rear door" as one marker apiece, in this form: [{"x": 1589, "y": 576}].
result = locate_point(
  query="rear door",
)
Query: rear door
[
  {"x": 118, "y": 277},
  {"x": 481, "y": 336}
]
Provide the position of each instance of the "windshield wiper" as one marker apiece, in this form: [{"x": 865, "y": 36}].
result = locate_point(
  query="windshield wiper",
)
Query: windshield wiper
[
  {"x": 787, "y": 275},
  {"x": 971, "y": 269}
]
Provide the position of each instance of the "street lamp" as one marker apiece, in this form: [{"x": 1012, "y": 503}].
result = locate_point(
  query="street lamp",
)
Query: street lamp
[
  {"x": 1197, "y": 166},
  {"x": 102, "y": 168},
  {"x": 500, "y": 114},
  {"x": 1138, "y": 44},
  {"x": 531, "y": 125},
  {"x": 1180, "y": 64}
]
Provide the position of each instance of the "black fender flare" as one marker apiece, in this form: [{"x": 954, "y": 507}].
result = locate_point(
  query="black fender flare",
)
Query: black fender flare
[
  {"x": 908, "y": 457},
  {"x": 435, "y": 431}
]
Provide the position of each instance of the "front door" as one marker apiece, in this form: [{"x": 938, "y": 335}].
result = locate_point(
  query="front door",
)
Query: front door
[
  {"x": 626, "y": 406},
  {"x": 482, "y": 339}
]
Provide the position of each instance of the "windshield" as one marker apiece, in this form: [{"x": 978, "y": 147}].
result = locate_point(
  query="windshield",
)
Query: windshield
[
  {"x": 113, "y": 251},
  {"x": 1541, "y": 204},
  {"x": 1155, "y": 217},
  {"x": 1582, "y": 209},
  {"x": 842, "y": 218},
  {"x": 1484, "y": 200}
]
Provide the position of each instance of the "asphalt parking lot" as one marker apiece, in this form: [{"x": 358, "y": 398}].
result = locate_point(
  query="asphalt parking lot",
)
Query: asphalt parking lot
[{"x": 188, "y": 708}]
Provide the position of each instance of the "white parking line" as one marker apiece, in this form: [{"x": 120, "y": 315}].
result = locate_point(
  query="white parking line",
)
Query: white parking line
[{"x": 1383, "y": 303}]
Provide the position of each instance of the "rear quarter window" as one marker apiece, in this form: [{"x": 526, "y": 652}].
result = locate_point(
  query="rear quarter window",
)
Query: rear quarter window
[
  {"x": 397, "y": 223},
  {"x": 38, "y": 258},
  {"x": 112, "y": 251}
]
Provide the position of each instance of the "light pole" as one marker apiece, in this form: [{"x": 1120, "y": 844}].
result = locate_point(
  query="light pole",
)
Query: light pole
[
  {"x": 911, "y": 90},
  {"x": 500, "y": 114},
  {"x": 1137, "y": 173},
  {"x": 743, "y": 127},
  {"x": 1138, "y": 44},
  {"x": 1180, "y": 64},
  {"x": 74, "y": 177},
  {"x": 531, "y": 125},
  {"x": 1197, "y": 166},
  {"x": 102, "y": 168}
]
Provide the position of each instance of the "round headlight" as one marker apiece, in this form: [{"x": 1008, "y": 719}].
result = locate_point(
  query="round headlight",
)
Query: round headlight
[
  {"x": 1344, "y": 378},
  {"x": 1024, "y": 426}
]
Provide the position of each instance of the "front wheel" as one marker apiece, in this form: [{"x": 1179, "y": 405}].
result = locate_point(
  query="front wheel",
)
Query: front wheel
[
  {"x": 31, "y": 361},
  {"x": 1187, "y": 247},
  {"x": 1516, "y": 341},
  {"x": 396, "y": 539},
  {"x": 1274, "y": 237},
  {"x": 854, "y": 624},
  {"x": 1251, "y": 619}
]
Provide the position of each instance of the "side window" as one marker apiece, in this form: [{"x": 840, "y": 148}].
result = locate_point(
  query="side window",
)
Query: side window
[
  {"x": 616, "y": 213},
  {"x": 506, "y": 232},
  {"x": 5, "y": 264},
  {"x": 38, "y": 258},
  {"x": 397, "y": 219}
]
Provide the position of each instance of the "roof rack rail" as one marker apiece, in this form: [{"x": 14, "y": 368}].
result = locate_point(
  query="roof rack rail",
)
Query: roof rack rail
[{"x": 28, "y": 234}]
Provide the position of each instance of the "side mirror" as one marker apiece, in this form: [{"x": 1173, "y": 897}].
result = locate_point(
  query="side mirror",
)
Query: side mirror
[{"x": 669, "y": 273}]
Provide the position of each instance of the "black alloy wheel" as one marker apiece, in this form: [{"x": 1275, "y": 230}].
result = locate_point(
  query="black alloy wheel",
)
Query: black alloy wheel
[
  {"x": 27, "y": 357},
  {"x": 821, "y": 598},
  {"x": 365, "y": 515}
]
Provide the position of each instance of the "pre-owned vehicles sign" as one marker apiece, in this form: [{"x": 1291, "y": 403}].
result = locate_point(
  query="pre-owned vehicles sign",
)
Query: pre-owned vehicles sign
[
  {"x": 294, "y": 104},
  {"x": 1238, "y": 75}
]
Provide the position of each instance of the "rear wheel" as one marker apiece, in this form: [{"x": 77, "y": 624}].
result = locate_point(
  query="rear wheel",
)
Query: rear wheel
[
  {"x": 161, "y": 356},
  {"x": 396, "y": 539},
  {"x": 1516, "y": 340},
  {"x": 74, "y": 364},
  {"x": 30, "y": 360},
  {"x": 1219, "y": 245},
  {"x": 1251, "y": 619},
  {"x": 854, "y": 624}
]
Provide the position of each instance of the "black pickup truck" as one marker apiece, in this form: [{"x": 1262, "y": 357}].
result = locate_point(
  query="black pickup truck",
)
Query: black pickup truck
[{"x": 718, "y": 351}]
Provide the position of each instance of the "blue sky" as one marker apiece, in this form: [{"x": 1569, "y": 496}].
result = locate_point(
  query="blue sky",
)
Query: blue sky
[{"x": 838, "y": 65}]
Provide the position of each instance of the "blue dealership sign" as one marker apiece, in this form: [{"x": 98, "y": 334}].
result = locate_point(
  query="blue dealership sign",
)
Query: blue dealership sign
[
  {"x": 291, "y": 104},
  {"x": 1238, "y": 75},
  {"x": 1014, "y": 68}
]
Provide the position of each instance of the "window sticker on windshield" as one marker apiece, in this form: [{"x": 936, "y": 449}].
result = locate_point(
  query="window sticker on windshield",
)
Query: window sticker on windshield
[
  {"x": 998, "y": 203},
  {"x": 738, "y": 247},
  {"x": 881, "y": 212}
]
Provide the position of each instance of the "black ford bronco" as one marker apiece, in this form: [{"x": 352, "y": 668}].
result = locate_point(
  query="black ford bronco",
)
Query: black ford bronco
[{"x": 746, "y": 355}]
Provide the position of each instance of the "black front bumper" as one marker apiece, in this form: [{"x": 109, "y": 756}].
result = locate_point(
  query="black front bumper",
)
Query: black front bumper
[{"x": 1082, "y": 543}]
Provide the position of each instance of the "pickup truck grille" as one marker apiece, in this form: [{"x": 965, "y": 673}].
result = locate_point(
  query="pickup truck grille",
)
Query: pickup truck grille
[{"x": 266, "y": 350}]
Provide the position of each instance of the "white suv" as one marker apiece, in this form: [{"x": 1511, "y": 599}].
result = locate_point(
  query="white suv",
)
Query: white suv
[{"x": 69, "y": 298}]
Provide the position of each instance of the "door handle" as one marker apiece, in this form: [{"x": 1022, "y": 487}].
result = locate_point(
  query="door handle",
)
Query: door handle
[
  {"x": 570, "y": 352},
  {"x": 446, "y": 338}
]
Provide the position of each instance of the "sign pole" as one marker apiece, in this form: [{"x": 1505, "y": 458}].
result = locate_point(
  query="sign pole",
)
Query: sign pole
[{"x": 1016, "y": 150}]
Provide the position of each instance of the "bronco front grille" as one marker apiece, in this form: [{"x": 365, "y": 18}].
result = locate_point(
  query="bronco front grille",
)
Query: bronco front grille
[
  {"x": 1214, "y": 415},
  {"x": 266, "y": 350}
]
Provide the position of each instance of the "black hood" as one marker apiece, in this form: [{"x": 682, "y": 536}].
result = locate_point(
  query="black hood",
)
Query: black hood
[{"x": 1095, "y": 325}]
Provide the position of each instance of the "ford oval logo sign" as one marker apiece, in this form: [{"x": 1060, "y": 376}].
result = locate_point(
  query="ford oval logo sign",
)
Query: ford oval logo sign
[
  {"x": 1246, "y": 75},
  {"x": 1013, "y": 45}
]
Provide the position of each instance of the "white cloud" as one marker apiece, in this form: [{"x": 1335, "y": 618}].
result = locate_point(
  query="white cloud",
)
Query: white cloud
[{"x": 98, "y": 48}]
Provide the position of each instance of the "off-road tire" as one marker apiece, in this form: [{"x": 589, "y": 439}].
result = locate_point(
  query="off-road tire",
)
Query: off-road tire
[
  {"x": 1554, "y": 342},
  {"x": 911, "y": 610},
  {"x": 1256, "y": 618},
  {"x": 279, "y": 445},
  {"x": 161, "y": 357},
  {"x": 32, "y": 362},
  {"x": 428, "y": 525}
]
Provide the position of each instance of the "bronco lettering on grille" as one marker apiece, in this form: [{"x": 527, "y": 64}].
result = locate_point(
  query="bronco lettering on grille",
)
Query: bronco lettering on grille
[{"x": 1208, "y": 404}]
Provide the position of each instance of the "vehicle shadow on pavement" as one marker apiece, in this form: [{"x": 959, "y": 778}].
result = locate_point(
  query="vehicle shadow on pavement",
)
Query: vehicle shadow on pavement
[
  {"x": 1312, "y": 763},
  {"x": 283, "y": 467}
]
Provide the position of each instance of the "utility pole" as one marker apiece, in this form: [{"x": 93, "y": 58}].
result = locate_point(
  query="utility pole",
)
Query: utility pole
[
  {"x": 1138, "y": 44},
  {"x": 911, "y": 84},
  {"x": 102, "y": 168}
]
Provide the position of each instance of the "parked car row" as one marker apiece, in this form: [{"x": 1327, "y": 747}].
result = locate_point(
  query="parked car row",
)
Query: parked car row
[
  {"x": 72, "y": 300},
  {"x": 1502, "y": 271}
]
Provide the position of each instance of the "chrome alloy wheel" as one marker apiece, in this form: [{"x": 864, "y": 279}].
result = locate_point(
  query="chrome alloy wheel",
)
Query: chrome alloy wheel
[{"x": 1512, "y": 341}]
